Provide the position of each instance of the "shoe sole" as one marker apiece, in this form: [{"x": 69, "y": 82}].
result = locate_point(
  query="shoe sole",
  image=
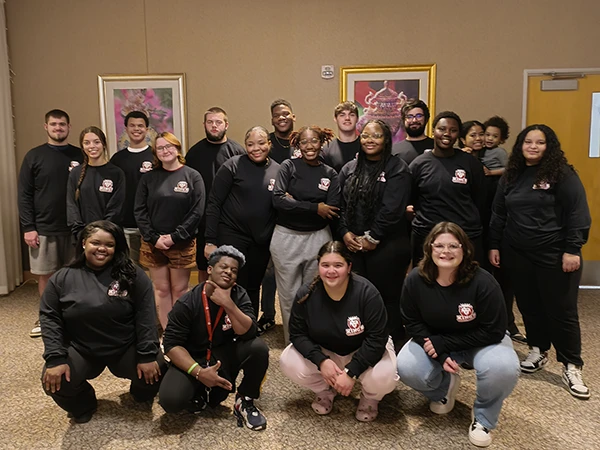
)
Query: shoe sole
[
  {"x": 35, "y": 335},
  {"x": 575, "y": 393},
  {"x": 534, "y": 369}
]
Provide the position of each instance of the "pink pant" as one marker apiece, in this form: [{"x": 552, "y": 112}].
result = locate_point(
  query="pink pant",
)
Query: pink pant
[{"x": 376, "y": 381}]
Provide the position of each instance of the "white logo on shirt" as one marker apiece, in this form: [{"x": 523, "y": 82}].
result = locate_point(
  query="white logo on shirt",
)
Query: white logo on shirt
[
  {"x": 182, "y": 186},
  {"x": 107, "y": 186},
  {"x": 466, "y": 313},
  {"x": 146, "y": 167},
  {"x": 72, "y": 165},
  {"x": 324, "y": 184},
  {"x": 113, "y": 290},
  {"x": 227, "y": 325},
  {"x": 355, "y": 327},
  {"x": 296, "y": 153},
  {"x": 381, "y": 177},
  {"x": 543, "y": 185},
  {"x": 271, "y": 184},
  {"x": 460, "y": 176}
]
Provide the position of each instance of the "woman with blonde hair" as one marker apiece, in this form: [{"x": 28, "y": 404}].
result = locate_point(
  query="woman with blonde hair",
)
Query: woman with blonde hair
[{"x": 169, "y": 205}]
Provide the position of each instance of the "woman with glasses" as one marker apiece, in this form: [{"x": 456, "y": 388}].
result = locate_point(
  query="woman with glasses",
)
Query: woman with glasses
[
  {"x": 375, "y": 192},
  {"x": 448, "y": 185},
  {"x": 454, "y": 313},
  {"x": 306, "y": 196},
  {"x": 169, "y": 205}
]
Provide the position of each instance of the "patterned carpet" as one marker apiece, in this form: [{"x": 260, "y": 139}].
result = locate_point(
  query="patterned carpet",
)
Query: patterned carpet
[{"x": 540, "y": 414}]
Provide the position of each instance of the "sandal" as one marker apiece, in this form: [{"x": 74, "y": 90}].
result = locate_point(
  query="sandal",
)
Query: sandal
[
  {"x": 323, "y": 402},
  {"x": 367, "y": 409}
]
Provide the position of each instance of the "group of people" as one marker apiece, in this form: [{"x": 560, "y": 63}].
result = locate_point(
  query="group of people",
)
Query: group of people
[{"x": 334, "y": 223}]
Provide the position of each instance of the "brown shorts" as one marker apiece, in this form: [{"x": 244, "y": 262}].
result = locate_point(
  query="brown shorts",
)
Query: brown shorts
[{"x": 181, "y": 256}]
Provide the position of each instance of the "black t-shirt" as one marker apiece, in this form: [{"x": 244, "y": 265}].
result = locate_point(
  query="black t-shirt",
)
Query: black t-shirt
[
  {"x": 357, "y": 322},
  {"x": 241, "y": 200},
  {"x": 409, "y": 150},
  {"x": 134, "y": 164},
  {"x": 281, "y": 150},
  {"x": 42, "y": 192},
  {"x": 299, "y": 188},
  {"x": 337, "y": 153}
]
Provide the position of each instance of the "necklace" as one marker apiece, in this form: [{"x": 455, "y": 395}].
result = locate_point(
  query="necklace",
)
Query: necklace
[{"x": 279, "y": 142}]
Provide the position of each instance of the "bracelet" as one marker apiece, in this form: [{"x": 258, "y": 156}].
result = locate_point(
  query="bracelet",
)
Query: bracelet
[
  {"x": 192, "y": 368},
  {"x": 370, "y": 238}
]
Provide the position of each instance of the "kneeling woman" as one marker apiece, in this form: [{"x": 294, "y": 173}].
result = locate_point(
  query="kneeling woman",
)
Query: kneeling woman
[
  {"x": 99, "y": 312},
  {"x": 454, "y": 311},
  {"x": 338, "y": 335}
]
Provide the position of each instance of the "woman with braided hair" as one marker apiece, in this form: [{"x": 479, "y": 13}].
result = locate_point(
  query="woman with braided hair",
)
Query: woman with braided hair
[
  {"x": 375, "y": 193},
  {"x": 96, "y": 188},
  {"x": 306, "y": 196},
  {"x": 338, "y": 335}
]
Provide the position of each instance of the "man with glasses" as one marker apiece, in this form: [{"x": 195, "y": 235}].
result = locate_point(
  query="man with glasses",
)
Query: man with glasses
[
  {"x": 415, "y": 115},
  {"x": 206, "y": 156},
  {"x": 134, "y": 160}
]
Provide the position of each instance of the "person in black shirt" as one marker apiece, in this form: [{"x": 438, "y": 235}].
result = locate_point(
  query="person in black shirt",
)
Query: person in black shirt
[
  {"x": 42, "y": 189},
  {"x": 306, "y": 196},
  {"x": 210, "y": 337},
  {"x": 338, "y": 335},
  {"x": 448, "y": 185},
  {"x": 96, "y": 189},
  {"x": 282, "y": 118},
  {"x": 207, "y": 156},
  {"x": 454, "y": 312},
  {"x": 415, "y": 115},
  {"x": 240, "y": 209},
  {"x": 99, "y": 312},
  {"x": 540, "y": 221},
  {"x": 135, "y": 160},
  {"x": 346, "y": 146},
  {"x": 169, "y": 205},
  {"x": 375, "y": 193}
]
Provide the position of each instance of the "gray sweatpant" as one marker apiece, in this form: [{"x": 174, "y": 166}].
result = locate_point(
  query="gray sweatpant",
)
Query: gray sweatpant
[{"x": 294, "y": 256}]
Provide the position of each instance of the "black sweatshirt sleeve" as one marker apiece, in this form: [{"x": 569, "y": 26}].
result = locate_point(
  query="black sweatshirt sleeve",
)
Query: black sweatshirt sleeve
[
  {"x": 180, "y": 322},
  {"x": 26, "y": 196},
  {"x": 576, "y": 214},
  {"x": 498, "y": 220},
  {"x": 414, "y": 323},
  {"x": 396, "y": 197},
  {"x": 145, "y": 319},
  {"x": 74, "y": 220},
  {"x": 219, "y": 192},
  {"x": 281, "y": 200},
  {"x": 478, "y": 187},
  {"x": 342, "y": 222},
  {"x": 142, "y": 216},
  {"x": 114, "y": 207},
  {"x": 333, "y": 193},
  {"x": 52, "y": 323},
  {"x": 187, "y": 229}
]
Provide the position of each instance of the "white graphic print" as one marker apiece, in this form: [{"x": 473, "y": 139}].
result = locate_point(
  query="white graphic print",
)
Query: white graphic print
[
  {"x": 182, "y": 187},
  {"x": 106, "y": 186},
  {"x": 466, "y": 313},
  {"x": 355, "y": 326},
  {"x": 460, "y": 176},
  {"x": 324, "y": 184}
]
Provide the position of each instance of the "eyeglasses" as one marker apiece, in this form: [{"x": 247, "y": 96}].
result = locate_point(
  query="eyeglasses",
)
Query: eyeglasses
[
  {"x": 366, "y": 136},
  {"x": 313, "y": 141},
  {"x": 162, "y": 148},
  {"x": 418, "y": 116},
  {"x": 451, "y": 247}
]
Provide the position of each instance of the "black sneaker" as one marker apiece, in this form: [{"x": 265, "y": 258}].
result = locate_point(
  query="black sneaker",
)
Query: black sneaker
[
  {"x": 82, "y": 418},
  {"x": 536, "y": 360},
  {"x": 197, "y": 404},
  {"x": 265, "y": 324},
  {"x": 247, "y": 413},
  {"x": 519, "y": 338}
]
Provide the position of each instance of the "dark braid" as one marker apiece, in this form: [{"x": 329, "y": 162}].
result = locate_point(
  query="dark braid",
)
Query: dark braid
[
  {"x": 84, "y": 166},
  {"x": 324, "y": 134},
  {"x": 100, "y": 134},
  {"x": 362, "y": 183}
]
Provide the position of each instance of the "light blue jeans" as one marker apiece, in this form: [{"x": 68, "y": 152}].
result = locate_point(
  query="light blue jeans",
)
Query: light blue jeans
[{"x": 496, "y": 367}]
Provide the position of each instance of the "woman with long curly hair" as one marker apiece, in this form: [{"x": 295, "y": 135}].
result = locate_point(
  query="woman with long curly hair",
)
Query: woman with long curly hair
[
  {"x": 99, "y": 312},
  {"x": 375, "y": 193},
  {"x": 306, "y": 196},
  {"x": 540, "y": 221},
  {"x": 454, "y": 312}
]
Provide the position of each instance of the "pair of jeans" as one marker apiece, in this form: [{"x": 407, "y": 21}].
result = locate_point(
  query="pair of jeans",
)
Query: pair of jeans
[{"x": 496, "y": 367}]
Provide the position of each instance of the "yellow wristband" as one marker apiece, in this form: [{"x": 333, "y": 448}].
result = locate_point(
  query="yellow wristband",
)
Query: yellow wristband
[{"x": 192, "y": 368}]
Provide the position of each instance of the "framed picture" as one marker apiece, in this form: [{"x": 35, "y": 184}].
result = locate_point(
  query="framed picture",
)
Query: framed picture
[
  {"x": 381, "y": 91},
  {"x": 160, "y": 97}
]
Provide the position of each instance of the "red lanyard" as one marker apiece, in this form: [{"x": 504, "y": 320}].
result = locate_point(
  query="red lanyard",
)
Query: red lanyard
[{"x": 209, "y": 328}]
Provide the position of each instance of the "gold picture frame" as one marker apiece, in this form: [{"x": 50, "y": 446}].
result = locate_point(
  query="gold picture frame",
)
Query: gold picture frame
[
  {"x": 380, "y": 92},
  {"x": 161, "y": 97}
]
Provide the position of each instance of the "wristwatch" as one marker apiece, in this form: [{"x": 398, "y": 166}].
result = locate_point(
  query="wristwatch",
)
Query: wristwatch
[{"x": 350, "y": 374}]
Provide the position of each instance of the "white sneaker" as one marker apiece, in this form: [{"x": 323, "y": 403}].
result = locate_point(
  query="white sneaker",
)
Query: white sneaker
[
  {"x": 445, "y": 405},
  {"x": 36, "y": 331},
  {"x": 573, "y": 378},
  {"x": 535, "y": 360},
  {"x": 479, "y": 435}
]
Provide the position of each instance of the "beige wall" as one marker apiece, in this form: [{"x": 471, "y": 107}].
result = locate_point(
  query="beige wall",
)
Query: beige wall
[{"x": 241, "y": 55}]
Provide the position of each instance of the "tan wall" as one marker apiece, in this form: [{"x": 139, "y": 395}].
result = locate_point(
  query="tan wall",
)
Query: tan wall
[{"x": 241, "y": 55}]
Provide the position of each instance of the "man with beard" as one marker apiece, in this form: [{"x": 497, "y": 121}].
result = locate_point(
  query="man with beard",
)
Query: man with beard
[
  {"x": 210, "y": 337},
  {"x": 206, "y": 156},
  {"x": 43, "y": 201},
  {"x": 283, "y": 120},
  {"x": 347, "y": 144},
  {"x": 415, "y": 115},
  {"x": 135, "y": 160}
]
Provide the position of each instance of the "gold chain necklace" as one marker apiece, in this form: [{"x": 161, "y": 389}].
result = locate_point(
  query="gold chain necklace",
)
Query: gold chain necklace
[{"x": 279, "y": 142}]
